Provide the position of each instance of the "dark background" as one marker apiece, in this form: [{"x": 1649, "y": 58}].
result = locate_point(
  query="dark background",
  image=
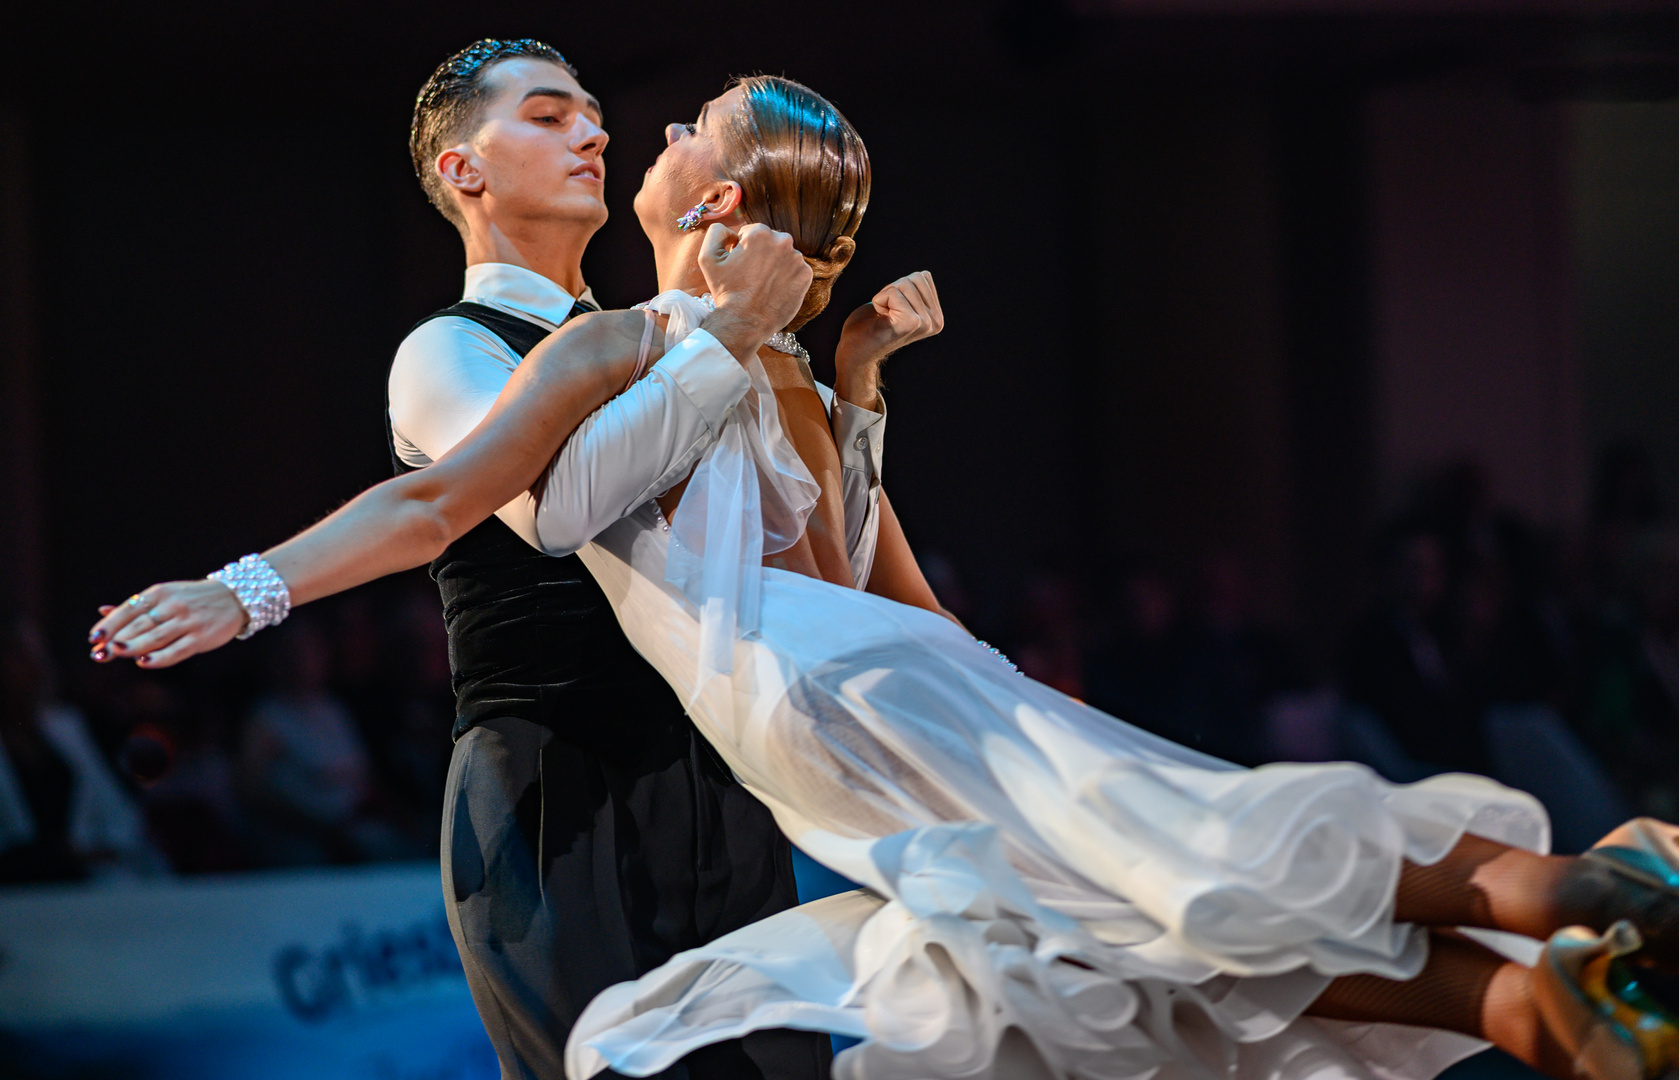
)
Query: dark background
[
  {"x": 1227, "y": 284},
  {"x": 1214, "y": 281}
]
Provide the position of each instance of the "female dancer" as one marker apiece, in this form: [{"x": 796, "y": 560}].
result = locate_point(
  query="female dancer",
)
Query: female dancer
[{"x": 1051, "y": 892}]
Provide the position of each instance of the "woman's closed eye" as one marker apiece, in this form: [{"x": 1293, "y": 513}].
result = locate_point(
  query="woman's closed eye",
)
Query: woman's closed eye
[{"x": 691, "y": 129}]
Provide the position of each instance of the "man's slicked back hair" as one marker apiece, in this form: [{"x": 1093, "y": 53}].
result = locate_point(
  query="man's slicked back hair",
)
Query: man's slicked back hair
[{"x": 450, "y": 105}]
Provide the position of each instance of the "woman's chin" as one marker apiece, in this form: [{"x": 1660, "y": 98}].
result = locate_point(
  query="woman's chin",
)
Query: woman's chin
[{"x": 646, "y": 228}]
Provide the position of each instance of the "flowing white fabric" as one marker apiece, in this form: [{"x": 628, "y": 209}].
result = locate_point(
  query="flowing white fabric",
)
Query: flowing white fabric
[
  {"x": 1050, "y": 892},
  {"x": 748, "y": 497}
]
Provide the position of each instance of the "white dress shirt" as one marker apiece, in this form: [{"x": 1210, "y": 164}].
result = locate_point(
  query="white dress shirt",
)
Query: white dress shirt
[{"x": 449, "y": 371}]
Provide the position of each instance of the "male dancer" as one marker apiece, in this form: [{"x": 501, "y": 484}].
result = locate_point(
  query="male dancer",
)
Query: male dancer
[{"x": 589, "y": 832}]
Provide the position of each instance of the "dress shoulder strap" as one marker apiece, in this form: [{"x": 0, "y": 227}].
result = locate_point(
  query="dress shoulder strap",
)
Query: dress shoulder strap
[{"x": 646, "y": 347}]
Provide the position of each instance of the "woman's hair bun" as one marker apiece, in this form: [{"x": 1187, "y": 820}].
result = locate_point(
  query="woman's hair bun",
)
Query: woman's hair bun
[
  {"x": 830, "y": 263},
  {"x": 823, "y": 272}
]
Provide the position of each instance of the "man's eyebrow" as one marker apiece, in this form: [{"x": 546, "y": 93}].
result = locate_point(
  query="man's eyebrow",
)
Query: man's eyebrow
[{"x": 561, "y": 95}]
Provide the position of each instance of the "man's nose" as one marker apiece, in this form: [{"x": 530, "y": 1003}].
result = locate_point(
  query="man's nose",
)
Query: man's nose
[{"x": 589, "y": 137}]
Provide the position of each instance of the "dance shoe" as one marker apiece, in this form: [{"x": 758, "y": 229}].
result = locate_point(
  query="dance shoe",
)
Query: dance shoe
[
  {"x": 1633, "y": 874},
  {"x": 1594, "y": 1004}
]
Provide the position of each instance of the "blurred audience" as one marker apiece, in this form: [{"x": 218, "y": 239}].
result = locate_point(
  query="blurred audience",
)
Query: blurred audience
[
  {"x": 1205, "y": 674},
  {"x": 1049, "y": 639},
  {"x": 402, "y": 697},
  {"x": 64, "y": 814},
  {"x": 326, "y": 741},
  {"x": 1630, "y": 711},
  {"x": 1470, "y": 617},
  {"x": 1481, "y": 649},
  {"x": 1399, "y": 663},
  {"x": 306, "y": 774},
  {"x": 182, "y": 756},
  {"x": 1136, "y": 670},
  {"x": 1235, "y": 670},
  {"x": 1625, "y": 504}
]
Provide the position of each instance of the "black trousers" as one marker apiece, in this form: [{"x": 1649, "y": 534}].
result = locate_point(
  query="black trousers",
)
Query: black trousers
[{"x": 568, "y": 869}]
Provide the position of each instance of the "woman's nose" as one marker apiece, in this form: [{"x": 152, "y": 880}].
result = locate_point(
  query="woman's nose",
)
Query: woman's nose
[{"x": 673, "y": 132}]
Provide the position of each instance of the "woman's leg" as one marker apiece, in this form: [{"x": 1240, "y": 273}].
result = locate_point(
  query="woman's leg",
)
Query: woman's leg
[
  {"x": 1487, "y": 884},
  {"x": 1464, "y": 988}
]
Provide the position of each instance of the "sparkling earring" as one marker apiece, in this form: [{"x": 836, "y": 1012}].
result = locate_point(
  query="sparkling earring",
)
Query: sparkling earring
[{"x": 691, "y": 218}]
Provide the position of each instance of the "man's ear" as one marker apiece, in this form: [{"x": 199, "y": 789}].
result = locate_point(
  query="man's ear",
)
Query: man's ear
[{"x": 459, "y": 169}]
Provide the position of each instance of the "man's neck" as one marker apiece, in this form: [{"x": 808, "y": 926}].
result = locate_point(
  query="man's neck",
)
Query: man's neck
[{"x": 557, "y": 255}]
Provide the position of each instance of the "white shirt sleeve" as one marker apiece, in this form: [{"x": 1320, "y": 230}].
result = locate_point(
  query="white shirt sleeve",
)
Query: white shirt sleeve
[
  {"x": 449, "y": 371},
  {"x": 445, "y": 377},
  {"x": 860, "y": 437},
  {"x": 639, "y": 444}
]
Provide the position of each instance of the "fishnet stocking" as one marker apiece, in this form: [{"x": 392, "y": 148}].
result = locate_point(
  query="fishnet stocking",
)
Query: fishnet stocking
[
  {"x": 1487, "y": 884},
  {"x": 1464, "y": 988}
]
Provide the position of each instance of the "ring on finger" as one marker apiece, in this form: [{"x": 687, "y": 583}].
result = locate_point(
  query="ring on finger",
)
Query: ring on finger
[{"x": 139, "y": 600}]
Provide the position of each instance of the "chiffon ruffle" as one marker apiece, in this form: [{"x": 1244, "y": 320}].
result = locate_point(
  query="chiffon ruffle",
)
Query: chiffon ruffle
[{"x": 958, "y": 972}]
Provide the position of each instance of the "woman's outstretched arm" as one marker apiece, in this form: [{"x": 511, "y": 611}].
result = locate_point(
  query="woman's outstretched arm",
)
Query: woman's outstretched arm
[
  {"x": 409, "y": 520},
  {"x": 406, "y": 521},
  {"x": 758, "y": 281}
]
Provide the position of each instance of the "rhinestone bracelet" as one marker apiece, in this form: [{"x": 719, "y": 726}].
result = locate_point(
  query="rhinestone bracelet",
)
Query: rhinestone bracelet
[{"x": 260, "y": 591}]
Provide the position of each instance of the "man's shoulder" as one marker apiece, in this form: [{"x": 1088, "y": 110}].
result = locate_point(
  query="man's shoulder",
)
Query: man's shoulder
[
  {"x": 474, "y": 326},
  {"x": 504, "y": 322},
  {"x": 450, "y": 337}
]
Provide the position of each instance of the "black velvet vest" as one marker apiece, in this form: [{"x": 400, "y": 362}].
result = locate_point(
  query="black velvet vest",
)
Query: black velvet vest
[{"x": 532, "y": 636}]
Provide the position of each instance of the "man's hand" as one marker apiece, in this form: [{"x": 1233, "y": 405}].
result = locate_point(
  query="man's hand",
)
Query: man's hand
[
  {"x": 758, "y": 280},
  {"x": 906, "y": 310},
  {"x": 162, "y": 625}
]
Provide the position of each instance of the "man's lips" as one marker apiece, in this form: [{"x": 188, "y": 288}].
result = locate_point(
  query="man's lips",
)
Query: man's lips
[{"x": 587, "y": 171}]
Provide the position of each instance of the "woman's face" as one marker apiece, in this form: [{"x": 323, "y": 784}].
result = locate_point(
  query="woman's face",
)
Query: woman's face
[{"x": 686, "y": 172}]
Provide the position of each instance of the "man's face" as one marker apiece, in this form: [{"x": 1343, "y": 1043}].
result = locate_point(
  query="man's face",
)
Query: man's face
[{"x": 539, "y": 147}]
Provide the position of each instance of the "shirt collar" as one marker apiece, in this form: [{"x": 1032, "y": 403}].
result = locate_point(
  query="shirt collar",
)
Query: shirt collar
[{"x": 519, "y": 291}]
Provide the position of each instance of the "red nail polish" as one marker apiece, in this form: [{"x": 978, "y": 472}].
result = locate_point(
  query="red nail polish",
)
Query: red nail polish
[{"x": 99, "y": 654}]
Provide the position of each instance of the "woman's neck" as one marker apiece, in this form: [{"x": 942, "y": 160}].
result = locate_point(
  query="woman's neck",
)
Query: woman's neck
[{"x": 677, "y": 263}]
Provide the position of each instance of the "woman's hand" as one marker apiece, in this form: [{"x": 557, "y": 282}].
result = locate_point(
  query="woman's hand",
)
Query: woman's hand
[
  {"x": 164, "y": 624},
  {"x": 905, "y": 311}
]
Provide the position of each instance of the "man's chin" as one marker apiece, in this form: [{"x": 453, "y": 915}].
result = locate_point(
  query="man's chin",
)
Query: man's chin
[{"x": 581, "y": 213}]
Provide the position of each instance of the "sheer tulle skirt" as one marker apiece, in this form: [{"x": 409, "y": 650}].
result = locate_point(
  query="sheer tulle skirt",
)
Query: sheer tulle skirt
[{"x": 1050, "y": 891}]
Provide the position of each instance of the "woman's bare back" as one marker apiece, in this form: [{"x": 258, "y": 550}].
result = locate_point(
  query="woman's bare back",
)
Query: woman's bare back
[{"x": 821, "y": 552}]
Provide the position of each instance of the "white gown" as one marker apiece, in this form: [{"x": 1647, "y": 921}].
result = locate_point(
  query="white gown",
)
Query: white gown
[{"x": 1050, "y": 892}]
